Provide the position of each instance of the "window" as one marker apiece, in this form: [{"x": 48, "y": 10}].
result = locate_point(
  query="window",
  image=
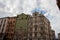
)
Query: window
[
  {"x": 12, "y": 25},
  {"x": 38, "y": 38},
  {"x": 30, "y": 39},
  {"x": 35, "y": 21},
  {"x": 41, "y": 34},
  {"x": 25, "y": 39},
  {"x": 30, "y": 28},
  {"x": 8, "y": 30},
  {"x": 35, "y": 27},
  {"x": 22, "y": 18},
  {"x": 14, "y": 21},
  {"x": 35, "y": 14},
  {"x": 12, "y": 30},
  {"x": 42, "y": 28},
  {"x": 30, "y": 34},
  {"x": 35, "y": 34},
  {"x": 26, "y": 18}
]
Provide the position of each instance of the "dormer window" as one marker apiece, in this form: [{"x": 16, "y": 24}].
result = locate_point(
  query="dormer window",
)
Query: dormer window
[{"x": 35, "y": 14}]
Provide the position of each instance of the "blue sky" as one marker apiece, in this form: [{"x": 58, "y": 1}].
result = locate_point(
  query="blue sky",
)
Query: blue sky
[
  {"x": 48, "y": 7},
  {"x": 39, "y": 10}
]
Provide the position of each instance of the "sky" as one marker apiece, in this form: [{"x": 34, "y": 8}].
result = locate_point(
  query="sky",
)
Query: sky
[{"x": 49, "y": 8}]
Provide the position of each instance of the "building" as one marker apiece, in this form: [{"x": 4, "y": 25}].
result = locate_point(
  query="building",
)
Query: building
[
  {"x": 52, "y": 35},
  {"x": 39, "y": 27},
  {"x": 7, "y": 26},
  {"x": 58, "y": 36},
  {"x": 21, "y": 27},
  {"x": 26, "y": 27},
  {"x": 58, "y": 3},
  {"x": 9, "y": 33},
  {"x": 2, "y": 27}
]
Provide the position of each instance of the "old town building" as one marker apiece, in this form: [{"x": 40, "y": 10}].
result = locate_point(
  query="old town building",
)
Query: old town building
[
  {"x": 38, "y": 27},
  {"x": 21, "y": 27},
  {"x": 7, "y": 26},
  {"x": 26, "y": 27},
  {"x": 2, "y": 27},
  {"x": 10, "y": 28},
  {"x": 52, "y": 35},
  {"x": 58, "y": 36}
]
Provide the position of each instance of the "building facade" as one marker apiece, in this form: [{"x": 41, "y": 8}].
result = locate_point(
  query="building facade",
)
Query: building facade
[
  {"x": 3, "y": 22},
  {"x": 52, "y": 35},
  {"x": 26, "y": 27},
  {"x": 21, "y": 27},
  {"x": 7, "y": 26},
  {"x": 58, "y": 36},
  {"x": 9, "y": 34},
  {"x": 38, "y": 27}
]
